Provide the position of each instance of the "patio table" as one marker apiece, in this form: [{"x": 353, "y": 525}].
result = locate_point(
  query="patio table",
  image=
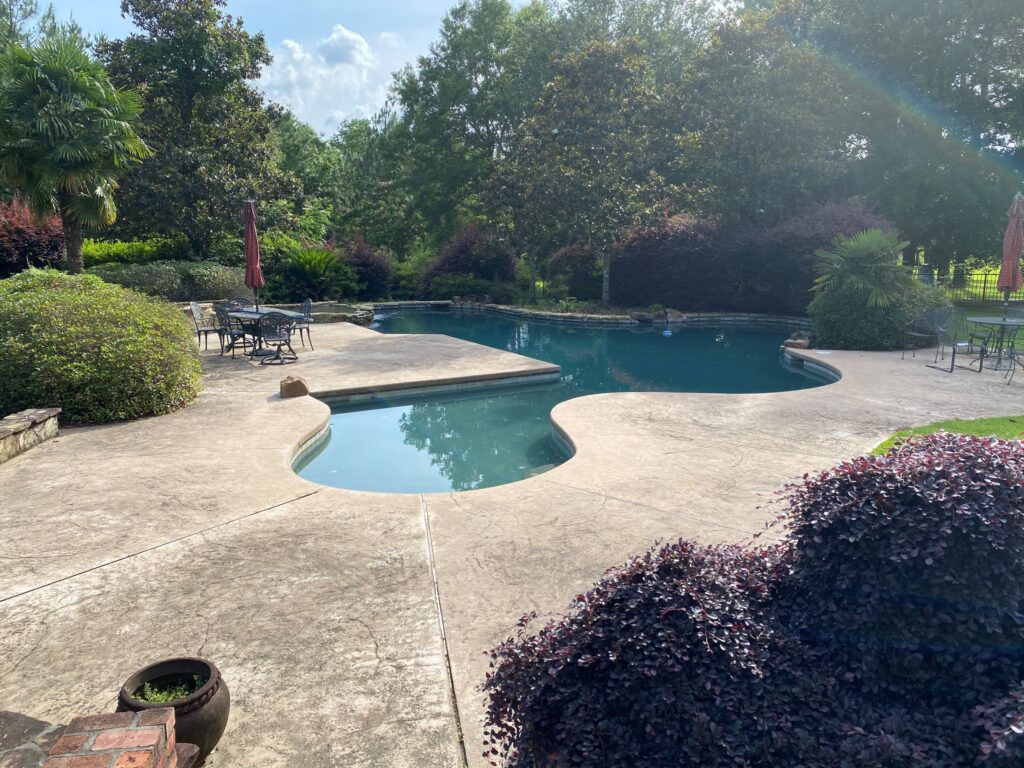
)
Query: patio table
[
  {"x": 250, "y": 316},
  {"x": 998, "y": 322}
]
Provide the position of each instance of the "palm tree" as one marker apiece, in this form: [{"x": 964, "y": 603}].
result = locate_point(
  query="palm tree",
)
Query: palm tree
[
  {"x": 867, "y": 265},
  {"x": 66, "y": 134}
]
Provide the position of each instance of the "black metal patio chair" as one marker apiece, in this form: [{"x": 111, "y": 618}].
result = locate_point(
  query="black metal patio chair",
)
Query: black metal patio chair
[
  {"x": 306, "y": 308},
  {"x": 203, "y": 331},
  {"x": 232, "y": 330},
  {"x": 930, "y": 326},
  {"x": 276, "y": 331}
]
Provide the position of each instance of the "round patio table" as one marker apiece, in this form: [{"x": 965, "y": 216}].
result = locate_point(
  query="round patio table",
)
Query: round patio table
[
  {"x": 1003, "y": 323},
  {"x": 250, "y": 316}
]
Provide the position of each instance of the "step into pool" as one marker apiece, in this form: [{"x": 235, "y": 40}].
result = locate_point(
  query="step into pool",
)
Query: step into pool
[{"x": 478, "y": 439}]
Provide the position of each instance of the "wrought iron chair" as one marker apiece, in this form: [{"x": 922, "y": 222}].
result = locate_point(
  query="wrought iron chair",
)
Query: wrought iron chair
[
  {"x": 928, "y": 326},
  {"x": 307, "y": 319},
  {"x": 968, "y": 340},
  {"x": 203, "y": 331},
  {"x": 231, "y": 329},
  {"x": 276, "y": 331}
]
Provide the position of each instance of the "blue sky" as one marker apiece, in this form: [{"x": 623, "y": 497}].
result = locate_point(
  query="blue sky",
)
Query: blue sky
[{"x": 332, "y": 58}]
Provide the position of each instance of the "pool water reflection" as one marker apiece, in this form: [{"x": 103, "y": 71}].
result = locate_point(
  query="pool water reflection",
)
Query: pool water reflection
[{"x": 490, "y": 437}]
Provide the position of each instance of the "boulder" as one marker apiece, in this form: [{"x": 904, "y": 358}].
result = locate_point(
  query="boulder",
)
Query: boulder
[{"x": 294, "y": 386}]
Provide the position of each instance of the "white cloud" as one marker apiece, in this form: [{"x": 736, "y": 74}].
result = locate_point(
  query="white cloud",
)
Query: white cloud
[{"x": 337, "y": 78}]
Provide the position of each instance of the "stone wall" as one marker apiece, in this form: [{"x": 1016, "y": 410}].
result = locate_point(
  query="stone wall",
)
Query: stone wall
[{"x": 25, "y": 430}]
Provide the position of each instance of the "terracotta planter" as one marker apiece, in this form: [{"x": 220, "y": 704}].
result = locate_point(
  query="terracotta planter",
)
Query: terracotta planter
[{"x": 201, "y": 717}]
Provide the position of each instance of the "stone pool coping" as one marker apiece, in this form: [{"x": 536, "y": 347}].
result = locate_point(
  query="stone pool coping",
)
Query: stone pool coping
[
  {"x": 679, "y": 318},
  {"x": 350, "y": 626}
]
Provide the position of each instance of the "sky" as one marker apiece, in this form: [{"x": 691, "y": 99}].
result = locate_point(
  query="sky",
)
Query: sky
[{"x": 333, "y": 59}]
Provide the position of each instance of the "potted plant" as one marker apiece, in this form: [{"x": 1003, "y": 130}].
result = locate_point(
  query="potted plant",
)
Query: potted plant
[{"x": 195, "y": 690}]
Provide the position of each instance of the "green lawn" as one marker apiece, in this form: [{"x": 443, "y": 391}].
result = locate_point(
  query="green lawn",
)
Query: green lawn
[{"x": 1005, "y": 428}]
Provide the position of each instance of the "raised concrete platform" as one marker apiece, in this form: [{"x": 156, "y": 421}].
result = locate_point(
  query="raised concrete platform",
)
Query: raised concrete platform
[{"x": 189, "y": 534}]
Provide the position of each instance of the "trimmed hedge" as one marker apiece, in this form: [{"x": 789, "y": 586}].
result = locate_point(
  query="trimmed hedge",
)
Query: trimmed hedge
[
  {"x": 886, "y": 630},
  {"x": 96, "y": 252},
  {"x": 100, "y": 352},
  {"x": 27, "y": 241},
  {"x": 692, "y": 265},
  {"x": 177, "y": 280}
]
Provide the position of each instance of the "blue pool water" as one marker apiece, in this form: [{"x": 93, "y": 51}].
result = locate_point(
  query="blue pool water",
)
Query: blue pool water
[{"x": 490, "y": 437}]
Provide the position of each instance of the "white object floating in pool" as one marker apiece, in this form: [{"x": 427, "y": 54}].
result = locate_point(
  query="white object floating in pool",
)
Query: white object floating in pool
[{"x": 666, "y": 332}]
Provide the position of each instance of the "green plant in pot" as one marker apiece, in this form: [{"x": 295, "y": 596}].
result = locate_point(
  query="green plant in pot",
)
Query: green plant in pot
[{"x": 193, "y": 688}]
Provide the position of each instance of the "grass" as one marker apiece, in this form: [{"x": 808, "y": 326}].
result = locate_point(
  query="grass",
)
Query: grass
[{"x": 1004, "y": 428}]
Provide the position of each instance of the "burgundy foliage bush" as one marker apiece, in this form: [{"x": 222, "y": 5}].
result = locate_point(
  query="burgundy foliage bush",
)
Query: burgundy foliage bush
[
  {"x": 374, "y": 271},
  {"x": 26, "y": 241},
  {"x": 691, "y": 265},
  {"x": 475, "y": 252},
  {"x": 884, "y": 631},
  {"x": 578, "y": 266},
  {"x": 909, "y": 568}
]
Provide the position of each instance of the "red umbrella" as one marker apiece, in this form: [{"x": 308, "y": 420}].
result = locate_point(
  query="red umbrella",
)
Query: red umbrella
[
  {"x": 1010, "y": 277},
  {"x": 253, "y": 273}
]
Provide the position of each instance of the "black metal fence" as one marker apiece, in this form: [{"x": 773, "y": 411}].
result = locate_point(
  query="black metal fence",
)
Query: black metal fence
[{"x": 966, "y": 286}]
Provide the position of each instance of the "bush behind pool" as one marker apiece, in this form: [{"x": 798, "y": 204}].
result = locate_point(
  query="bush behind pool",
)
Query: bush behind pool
[{"x": 100, "y": 352}]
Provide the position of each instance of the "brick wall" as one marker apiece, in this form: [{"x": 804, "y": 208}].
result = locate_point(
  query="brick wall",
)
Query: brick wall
[{"x": 119, "y": 740}]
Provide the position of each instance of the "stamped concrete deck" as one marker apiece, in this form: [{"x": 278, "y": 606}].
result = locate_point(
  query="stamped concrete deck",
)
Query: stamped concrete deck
[{"x": 189, "y": 534}]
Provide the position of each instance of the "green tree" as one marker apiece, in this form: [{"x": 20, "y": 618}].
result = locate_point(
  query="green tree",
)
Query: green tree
[
  {"x": 68, "y": 135},
  {"x": 374, "y": 200},
  {"x": 587, "y": 164},
  {"x": 209, "y": 126},
  {"x": 938, "y": 87},
  {"x": 774, "y": 122},
  {"x": 462, "y": 102}
]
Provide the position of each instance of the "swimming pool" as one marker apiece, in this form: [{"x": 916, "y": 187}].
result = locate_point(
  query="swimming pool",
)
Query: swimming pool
[{"x": 492, "y": 436}]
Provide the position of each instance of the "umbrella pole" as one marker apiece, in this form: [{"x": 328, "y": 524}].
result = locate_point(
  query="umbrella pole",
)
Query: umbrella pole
[
  {"x": 1006, "y": 303},
  {"x": 256, "y": 295}
]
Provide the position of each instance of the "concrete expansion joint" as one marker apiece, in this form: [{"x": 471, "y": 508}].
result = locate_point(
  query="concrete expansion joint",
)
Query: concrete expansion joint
[
  {"x": 69, "y": 577},
  {"x": 444, "y": 637}
]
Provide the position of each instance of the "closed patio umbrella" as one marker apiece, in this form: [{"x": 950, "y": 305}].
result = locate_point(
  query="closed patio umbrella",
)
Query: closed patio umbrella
[
  {"x": 1010, "y": 276},
  {"x": 253, "y": 273}
]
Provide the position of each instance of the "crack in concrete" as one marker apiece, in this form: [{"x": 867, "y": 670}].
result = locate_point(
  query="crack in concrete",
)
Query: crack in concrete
[
  {"x": 444, "y": 637},
  {"x": 121, "y": 559}
]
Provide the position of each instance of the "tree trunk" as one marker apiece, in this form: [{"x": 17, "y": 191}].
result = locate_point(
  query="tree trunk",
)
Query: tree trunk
[
  {"x": 606, "y": 271},
  {"x": 72, "y": 244}
]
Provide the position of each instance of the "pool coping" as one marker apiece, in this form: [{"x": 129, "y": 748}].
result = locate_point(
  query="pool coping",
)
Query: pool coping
[{"x": 581, "y": 318}]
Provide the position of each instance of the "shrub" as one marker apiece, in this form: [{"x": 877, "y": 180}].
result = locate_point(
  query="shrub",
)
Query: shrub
[
  {"x": 674, "y": 263},
  {"x": 692, "y": 265},
  {"x": 98, "y": 351},
  {"x": 578, "y": 266},
  {"x": 372, "y": 269},
  {"x": 96, "y": 252},
  {"x": 26, "y": 241},
  {"x": 865, "y": 296},
  {"x": 314, "y": 273},
  {"x": 909, "y": 568},
  {"x": 476, "y": 252},
  {"x": 885, "y": 630},
  {"x": 177, "y": 280},
  {"x": 449, "y": 286}
]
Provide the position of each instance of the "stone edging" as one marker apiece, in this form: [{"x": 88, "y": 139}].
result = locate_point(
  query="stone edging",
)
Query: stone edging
[
  {"x": 21, "y": 431},
  {"x": 678, "y": 318}
]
